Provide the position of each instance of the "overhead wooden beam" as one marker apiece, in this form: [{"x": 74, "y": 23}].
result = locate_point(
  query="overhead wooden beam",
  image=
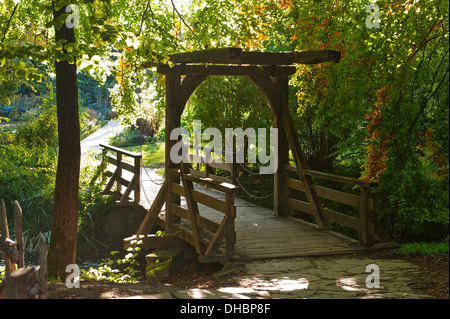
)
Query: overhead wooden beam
[
  {"x": 237, "y": 56},
  {"x": 244, "y": 70}
]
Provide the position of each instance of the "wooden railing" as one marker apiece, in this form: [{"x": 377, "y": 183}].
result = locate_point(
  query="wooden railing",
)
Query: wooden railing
[
  {"x": 195, "y": 155},
  {"x": 214, "y": 241},
  {"x": 365, "y": 224},
  {"x": 203, "y": 233},
  {"x": 117, "y": 177}
]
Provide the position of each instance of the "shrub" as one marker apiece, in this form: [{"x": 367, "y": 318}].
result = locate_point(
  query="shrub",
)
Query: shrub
[{"x": 130, "y": 136}]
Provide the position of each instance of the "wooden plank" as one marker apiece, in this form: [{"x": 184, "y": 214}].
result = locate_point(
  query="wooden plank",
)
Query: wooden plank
[
  {"x": 119, "y": 150},
  {"x": 218, "y": 237},
  {"x": 328, "y": 193},
  {"x": 208, "y": 181},
  {"x": 229, "y": 70},
  {"x": 112, "y": 180},
  {"x": 173, "y": 110},
  {"x": 333, "y": 177},
  {"x": 202, "y": 160},
  {"x": 137, "y": 177},
  {"x": 300, "y": 206},
  {"x": 4, "y": 232},
  {"x": 230, "y": 226},
  {"x": 153, "y": 212},
  {"x": 188, "y": 86},
  {"x": 130, "y": 187},
  {"x": 18, "y": 230},
  {"x": 340, "y": 218},
  {"x": 367, "y": 221},
  {"x": 192, "y": 205},
  {"x": 214, "y": 177},
  {"x": 238, "y": 56},
  {"x": 202, "y": 198},
  {"x": 201, "y": 221},
  {"x": 329, "y": 214},
  {"x": 124, "y": 182},
  {"x": 43, "y": 249},
  {"x": 126, "y": 166},
  {"x": 188, "y": 236}
]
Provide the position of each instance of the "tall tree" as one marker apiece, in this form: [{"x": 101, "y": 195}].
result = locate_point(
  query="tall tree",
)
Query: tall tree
[{"x": 62, "y": 250}]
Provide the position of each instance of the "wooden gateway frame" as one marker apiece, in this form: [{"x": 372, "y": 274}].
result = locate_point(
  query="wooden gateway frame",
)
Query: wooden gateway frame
[{"x": 270, "y": 72}]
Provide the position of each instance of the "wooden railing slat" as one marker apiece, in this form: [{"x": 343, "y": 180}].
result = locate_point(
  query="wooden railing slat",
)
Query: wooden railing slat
[{"x": 119, "y": 150}]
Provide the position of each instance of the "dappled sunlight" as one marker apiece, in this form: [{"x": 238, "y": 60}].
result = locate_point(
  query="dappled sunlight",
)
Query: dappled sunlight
[
  {"x": 284, "y": 284},
  {"x": 348, "y": 284}
]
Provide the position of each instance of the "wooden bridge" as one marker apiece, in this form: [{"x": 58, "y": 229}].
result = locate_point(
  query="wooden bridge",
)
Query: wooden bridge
[
  {"x": 230, "y": 228},
  {"x": 218, "y": 225}
]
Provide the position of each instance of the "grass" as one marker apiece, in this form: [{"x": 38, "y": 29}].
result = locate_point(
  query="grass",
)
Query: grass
[
  {"x": 424, "y": 248},
  {"x": 152, "y": 154}
]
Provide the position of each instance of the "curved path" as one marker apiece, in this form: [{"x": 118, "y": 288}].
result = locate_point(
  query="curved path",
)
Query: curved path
[{"x": 101, "y": 136}]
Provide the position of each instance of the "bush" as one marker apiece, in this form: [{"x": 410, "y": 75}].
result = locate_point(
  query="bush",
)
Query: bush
[
  {"x": 27, "y": 175},
  {"x": 91, "y": 203},
  {"x": 130, "y": 136},
  {"x": 414, "y": 206}
]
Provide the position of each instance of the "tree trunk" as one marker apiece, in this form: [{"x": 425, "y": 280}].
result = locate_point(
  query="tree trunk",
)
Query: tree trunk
[{"x": 62, "y": 250}]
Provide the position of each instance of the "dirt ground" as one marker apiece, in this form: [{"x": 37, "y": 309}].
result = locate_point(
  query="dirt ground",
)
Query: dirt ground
[{"x": 434, "y": 280}]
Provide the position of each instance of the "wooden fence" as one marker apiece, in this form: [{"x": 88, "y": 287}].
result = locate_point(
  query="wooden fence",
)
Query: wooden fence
[
  {"x": 20, "y": 282},
  {"x": 201, "y": 155},
  {"x": 365, "y": 224},
  {"x": 116, "y": 177}
]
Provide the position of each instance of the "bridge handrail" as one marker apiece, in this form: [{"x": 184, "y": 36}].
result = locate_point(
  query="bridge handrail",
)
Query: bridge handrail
[{"x": 117, "y": 177}]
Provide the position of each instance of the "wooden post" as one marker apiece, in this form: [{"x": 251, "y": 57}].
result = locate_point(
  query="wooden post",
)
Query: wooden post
[
  {"x": 173, "y": 121},
  {"x": 137, "y": 175},
  {"x": 282, "y": 84},
  {"x": 367, "y": 218},
  {"x": 18, "y": 229},
  {"x": 9, "y": 266},
  {"x": 119, "y": 171},
  {"x": 231, "y": 212},
  {"x": 43, "y": 249},
  {"x": 192, "y": 205},
  {"x": 280, "y": 187}
]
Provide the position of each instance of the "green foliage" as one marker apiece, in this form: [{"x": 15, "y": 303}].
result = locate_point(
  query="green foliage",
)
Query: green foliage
[
  {"x": 91, "y": 203},
  {"x": 424, "y": 248},
  {"x": 27, "y": 175},
  {"x": 223, "y": 102},
  {"x": 130, "y": 136},
  {"x": 129, "y": 272}
]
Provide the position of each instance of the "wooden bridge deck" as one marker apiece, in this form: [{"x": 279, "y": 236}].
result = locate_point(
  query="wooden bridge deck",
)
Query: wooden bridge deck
[{"x": 260, "y": 234}]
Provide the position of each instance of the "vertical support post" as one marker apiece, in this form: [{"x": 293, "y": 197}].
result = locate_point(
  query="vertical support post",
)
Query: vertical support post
[
  {"x": 119, "y": 171},
  {"x": 9, "y": 266},
  {"x": 43, "y": 249},
  {"x": 231, "y": 212},
  {"x": 367, "y": 218},
  {"x": 137, "y": 176},
  {"x": 234, "y": 167},
  {"x": 282, "y": 89},
  {"x": 18, "y": 229},
  {"x": 173, "y": 121},
  {"x": 280, "y": 188}
]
